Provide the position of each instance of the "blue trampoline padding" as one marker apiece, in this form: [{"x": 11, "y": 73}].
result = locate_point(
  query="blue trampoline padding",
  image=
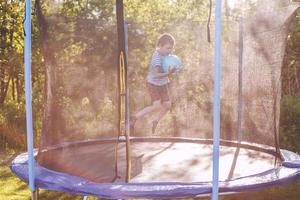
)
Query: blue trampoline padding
[
  {"x": 293, "y": 164},
  {"x": 53, "y": 180},
  {"x": 292, "y": 159}
]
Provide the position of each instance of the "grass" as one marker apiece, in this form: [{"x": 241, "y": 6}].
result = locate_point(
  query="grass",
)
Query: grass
[{"x": 12, "y": 188}]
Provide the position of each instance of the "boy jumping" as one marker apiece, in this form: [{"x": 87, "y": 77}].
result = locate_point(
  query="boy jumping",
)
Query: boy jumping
[{"x": 158, "y": 83}]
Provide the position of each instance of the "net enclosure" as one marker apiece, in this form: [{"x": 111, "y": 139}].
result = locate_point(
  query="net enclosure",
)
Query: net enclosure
[{"x": 97, "y": 56}]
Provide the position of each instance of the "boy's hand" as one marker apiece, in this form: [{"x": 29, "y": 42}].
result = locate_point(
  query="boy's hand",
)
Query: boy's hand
[{"x": 172, "y": 70}]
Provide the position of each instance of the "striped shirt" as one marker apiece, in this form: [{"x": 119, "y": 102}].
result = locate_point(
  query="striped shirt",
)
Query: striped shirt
[{"x": 156, "y": 60}]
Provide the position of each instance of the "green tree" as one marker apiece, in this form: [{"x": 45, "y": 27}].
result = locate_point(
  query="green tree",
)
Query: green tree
[
  {"x": 291, "y": 65},
  {"x": 12, "y": 109}
]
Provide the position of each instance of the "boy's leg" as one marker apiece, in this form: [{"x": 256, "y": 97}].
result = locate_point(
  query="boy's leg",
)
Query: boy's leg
[
  {"x": 155, "y": 99},
  {"x": 154, "y": 106},
  {"x": 166, "y": 106}
]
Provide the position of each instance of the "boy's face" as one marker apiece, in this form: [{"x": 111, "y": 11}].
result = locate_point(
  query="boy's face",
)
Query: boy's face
[{"x": 166, "y": 49}]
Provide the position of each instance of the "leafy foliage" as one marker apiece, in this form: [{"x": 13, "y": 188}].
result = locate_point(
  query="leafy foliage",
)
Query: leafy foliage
[
  {"x": 289, "y": 124},
  {"x": 291, "y": 65}
]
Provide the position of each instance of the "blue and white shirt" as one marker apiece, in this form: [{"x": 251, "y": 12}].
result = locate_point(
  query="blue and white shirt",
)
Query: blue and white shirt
[{"x": 156, "y": 60}]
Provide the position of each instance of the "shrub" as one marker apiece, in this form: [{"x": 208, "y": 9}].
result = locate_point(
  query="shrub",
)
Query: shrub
[{"x": 290, "y": 123}]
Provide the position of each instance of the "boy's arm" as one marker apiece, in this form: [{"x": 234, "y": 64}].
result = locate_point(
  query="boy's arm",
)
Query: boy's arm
[{"x": 159, "y": 74}]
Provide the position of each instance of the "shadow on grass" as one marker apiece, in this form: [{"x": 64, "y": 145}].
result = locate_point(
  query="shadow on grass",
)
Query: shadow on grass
[
  {"x": 22, "y": 187},
  {"x": 47, "y": 195},
  {"x": 5, "y": 174},
  {"x": 7, "y": 158}
]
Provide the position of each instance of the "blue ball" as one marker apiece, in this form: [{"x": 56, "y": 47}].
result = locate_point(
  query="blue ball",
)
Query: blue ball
[{"x": 171, "y": 61}]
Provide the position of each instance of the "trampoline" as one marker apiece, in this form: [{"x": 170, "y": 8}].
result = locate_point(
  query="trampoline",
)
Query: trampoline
[
  {"x": 185, "y": 163},
  {"x": 93, "y": 86}
]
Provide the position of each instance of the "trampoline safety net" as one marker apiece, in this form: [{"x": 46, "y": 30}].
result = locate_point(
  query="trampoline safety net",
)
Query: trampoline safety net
[{"x": 81, "y": 132}]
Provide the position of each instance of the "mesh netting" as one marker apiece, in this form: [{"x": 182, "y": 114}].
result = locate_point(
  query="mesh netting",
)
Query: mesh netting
[
  {"x": 81, "y": 57},
  {"x": 81, "y": 75},
  {"x": 253, "y": 43}
]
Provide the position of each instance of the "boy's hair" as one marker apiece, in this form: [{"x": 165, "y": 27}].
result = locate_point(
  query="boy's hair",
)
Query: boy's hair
[{"x": 164, "y": 39}]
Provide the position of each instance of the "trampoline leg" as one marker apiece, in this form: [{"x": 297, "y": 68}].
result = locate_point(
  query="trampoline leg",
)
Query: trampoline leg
[{"x": 35, "y": 195}]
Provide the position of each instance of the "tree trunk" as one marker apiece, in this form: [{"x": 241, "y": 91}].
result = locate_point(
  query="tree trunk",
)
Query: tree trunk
[{"x": 2, "y": 54}]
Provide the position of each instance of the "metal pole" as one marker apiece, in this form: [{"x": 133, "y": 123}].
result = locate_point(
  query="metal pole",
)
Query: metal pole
[
  {"x": 123, "y": 102},
  {"x": 240, "y": 100},
  {"x": 217, "y": 88},
  {"x": 27, "y": 62}
]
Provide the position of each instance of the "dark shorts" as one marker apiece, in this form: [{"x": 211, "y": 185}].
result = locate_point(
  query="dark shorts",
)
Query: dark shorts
[{"x": 159, "y": 92}]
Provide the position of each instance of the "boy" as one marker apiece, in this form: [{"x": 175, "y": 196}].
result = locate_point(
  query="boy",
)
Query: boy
[{"x": 157, "y": 83}]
